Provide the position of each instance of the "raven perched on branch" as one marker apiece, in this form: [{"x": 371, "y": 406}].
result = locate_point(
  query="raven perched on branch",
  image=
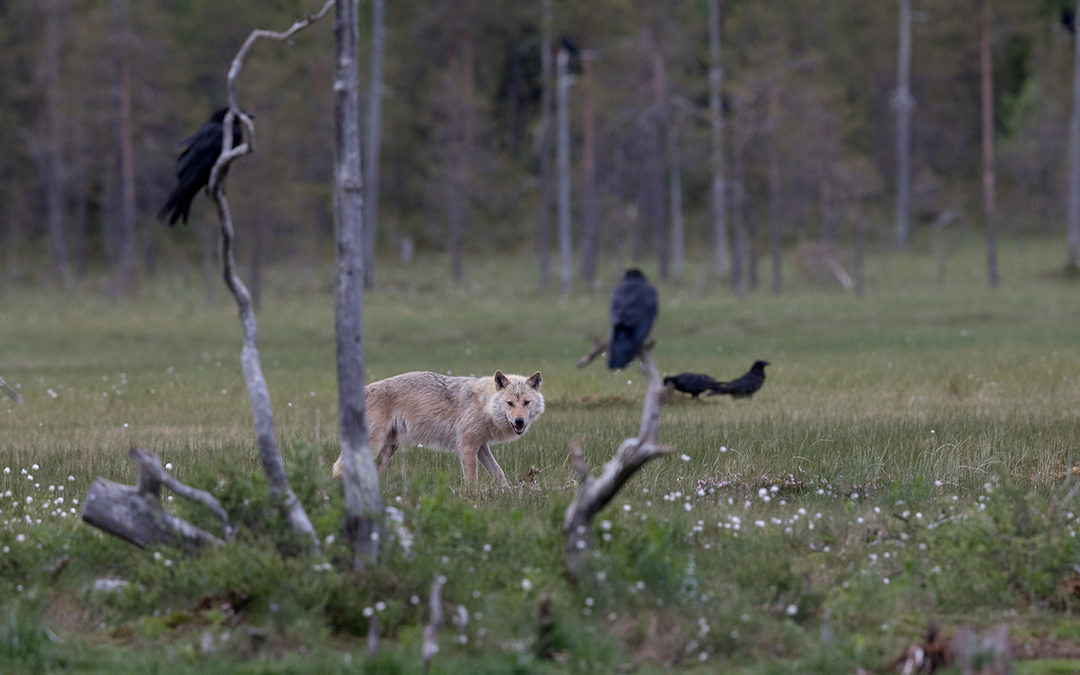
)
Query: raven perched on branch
[
  {"x": 745, "y": 386},
  {"x": 633, "y": 310},
  {"x": 193, "y": 167}
]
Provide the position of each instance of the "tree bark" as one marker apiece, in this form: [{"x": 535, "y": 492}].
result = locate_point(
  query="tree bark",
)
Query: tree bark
[
  {"x": 123, "y": 277},
  {"x": 590, "y": 216},
  {"x": 53, "y": 175},
  {"x": 566, "y": 276},
  {"x": 740, "y": 259},
  {"x": 987, "y": 97},
  {"x": 658, "y": 161},
  {"x": 546, "y": 100},
  {"x": 1073, "y": 214},
  {"x": 136, "y": 515},
  {"x": 774, "y": 187},
  {"x": 363, "y": 499},
  {"x": 904, "y": 104},
  {"x": 716, "y": 120},
  {"x": 675, "y": 201},
  {"x": 374, "y": 135}
]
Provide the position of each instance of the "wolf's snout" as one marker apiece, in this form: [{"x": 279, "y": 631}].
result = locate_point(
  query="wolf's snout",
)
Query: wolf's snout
[{"x": 519, "y": 424}]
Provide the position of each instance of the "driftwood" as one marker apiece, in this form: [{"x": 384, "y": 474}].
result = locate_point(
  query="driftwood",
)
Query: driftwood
[
  {"x": 265, "y": 439},
  {"x": 7, "y": 389},
  {"x": 595, "y": 492},
  {"x": 135, "y": 514}
]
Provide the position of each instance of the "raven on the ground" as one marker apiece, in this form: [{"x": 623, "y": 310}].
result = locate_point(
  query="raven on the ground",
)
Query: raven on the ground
[
  {"x": 201, "y": 152},
  {"x": 691, "y": 383},
  {"x": 745, "y": 386},
  {"x": 633, "y": 310}
]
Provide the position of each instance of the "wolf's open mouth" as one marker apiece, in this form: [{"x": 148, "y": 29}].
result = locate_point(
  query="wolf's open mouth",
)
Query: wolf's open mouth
[{"x": 519, "y": 430}]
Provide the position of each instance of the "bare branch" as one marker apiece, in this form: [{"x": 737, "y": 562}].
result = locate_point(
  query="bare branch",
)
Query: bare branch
[
  {"x": 431, "y": 630},
  {"x": 595, "y": 493},
  {"x": 599, "y": 348},
  {"x": 6, "y": 388},
  {"x": 135, "y": 513}
]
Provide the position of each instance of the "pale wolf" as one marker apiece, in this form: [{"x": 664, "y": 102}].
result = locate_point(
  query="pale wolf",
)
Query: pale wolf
[{"x": 446, "y": 413}]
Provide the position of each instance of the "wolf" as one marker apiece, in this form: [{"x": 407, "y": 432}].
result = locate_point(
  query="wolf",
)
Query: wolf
[{"x": 463, "y": 414}]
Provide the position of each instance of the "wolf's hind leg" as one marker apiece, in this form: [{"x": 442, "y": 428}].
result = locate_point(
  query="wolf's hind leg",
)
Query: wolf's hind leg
[
  {"x": 488, "y": 460},
  {"x": 387, "y": 449}
]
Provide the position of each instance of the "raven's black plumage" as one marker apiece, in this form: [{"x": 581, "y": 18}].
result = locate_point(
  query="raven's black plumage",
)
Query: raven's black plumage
[
  {"x": 633, "y": 310},
  {"x": 201, "y": 151},
  {"x": 745, "y": 386},
  {"x": 691, "y": 383}
]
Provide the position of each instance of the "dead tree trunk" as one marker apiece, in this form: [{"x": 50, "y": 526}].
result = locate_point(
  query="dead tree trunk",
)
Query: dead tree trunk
[
  {"x": 374, "y": 134},
  {"x": 1073, "y": 214},
  {"x": 590, "y": 211},
  {"x": 716, "y": 119},
  {"x": 563, "y": 108},
  {"x": 675, "y": 199},
  {"x": 53, "y": 164},
  {"x": 258, "y": 393},
  {"x": 135, "y": 513},
  {"x": 594, "y": 493},
  {"x": 987, "y": 97},
  {"x": 904, "y": 103},
  {"x": 123, "y": 275},
  {"x": 363, "y": 500},
  {"x": 774, "y": 187},
  {"x": 546, "y": 76}
]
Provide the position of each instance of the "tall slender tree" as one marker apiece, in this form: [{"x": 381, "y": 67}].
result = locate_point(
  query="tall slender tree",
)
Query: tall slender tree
[
  {"x": 123, "y": 274},
  {"x": 374, "y": 133},
  {"x": 363, "y": 500},
  {"x": 1073, "y": 213},
  {"x": 590, "y": 211},
  {"x": 904, "y": 104},
  {"x": 563, "y": 110},
  {"x": 547, "y": 80},
  {"x": 986, "y": 89},
  {"x": 716, "y": 122}
]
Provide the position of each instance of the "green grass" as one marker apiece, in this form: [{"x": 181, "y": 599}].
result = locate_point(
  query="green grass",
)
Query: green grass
[{"x": 929, "y": 436}]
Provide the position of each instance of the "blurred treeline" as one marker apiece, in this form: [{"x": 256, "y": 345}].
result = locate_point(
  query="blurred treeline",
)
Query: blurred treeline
[{"x": 809, "y": 134}]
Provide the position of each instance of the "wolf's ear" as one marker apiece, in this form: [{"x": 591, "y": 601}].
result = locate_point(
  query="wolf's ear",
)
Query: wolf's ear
[
  {"x": 534, "y": 380},
  {"x": 500, "y": 380}
]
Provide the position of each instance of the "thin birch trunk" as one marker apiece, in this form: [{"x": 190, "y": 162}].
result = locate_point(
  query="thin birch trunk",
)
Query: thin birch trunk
[
  {"x": 123, "y": 275},
  {"x": 904, "y": 104},
  {"x": 774, "y": 187},
  {"x": 53, "y": 175},
  {"x": 363, "y": 499},
  {"x": 590, "y": 216},
  {"x": 1072, "y": 218},
  {"x": 563, "y": 114},
  {"x": 987, "y": 97},
  {"x": 546, "y": 101},
  {"x": 716, "y": 120},
  {"x": 374, "y": 135}
]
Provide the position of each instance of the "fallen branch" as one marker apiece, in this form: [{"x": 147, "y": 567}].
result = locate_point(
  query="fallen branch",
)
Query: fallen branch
[
  {"x": 135, "y": 514},
  {"x": 599, "y": 348},
  {"x": 594, "y": 493},
  {"x": 10, "y": 392}
]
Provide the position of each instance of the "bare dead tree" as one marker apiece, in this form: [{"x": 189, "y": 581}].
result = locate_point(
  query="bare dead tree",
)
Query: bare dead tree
[
  {"x": 716, "y": 119},
  {"x": 563, "y": 110},
  {"x": 258, "y": 393},
  {"x": 374, "y": 134},
  {"x": 363, "y": 500},
  {"x": 903, "y": 103},
  {"x": 986, "y": 89},
  {"x": 595, "y": 492},
  {"x": 546, "y": 99},
  {"x": 136, "y": 515},
  {"x": 1073, "y": 213}
]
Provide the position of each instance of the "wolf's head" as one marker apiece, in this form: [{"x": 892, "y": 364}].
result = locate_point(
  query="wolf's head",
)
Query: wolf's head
[{"x": 519, "y": 398}]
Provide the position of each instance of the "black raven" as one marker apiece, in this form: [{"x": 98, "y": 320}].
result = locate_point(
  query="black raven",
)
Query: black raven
[
  {"x": 745, "y": 386},
  {"x": 193, "y": 166},
  {"x": 691, "y": 383},
  {"x": 633, "y": 309}
]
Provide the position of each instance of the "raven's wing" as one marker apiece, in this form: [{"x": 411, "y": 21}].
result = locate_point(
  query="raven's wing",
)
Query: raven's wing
[{"x": 633, "y": 310}]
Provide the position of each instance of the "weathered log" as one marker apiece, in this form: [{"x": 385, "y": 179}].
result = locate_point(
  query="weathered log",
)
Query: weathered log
[
  {"x": 594, "y": 493},
  {"x": 136, "y": 515}
]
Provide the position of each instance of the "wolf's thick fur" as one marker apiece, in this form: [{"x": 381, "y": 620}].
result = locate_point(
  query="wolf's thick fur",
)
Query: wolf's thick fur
[{"x": 446, "y": 413}]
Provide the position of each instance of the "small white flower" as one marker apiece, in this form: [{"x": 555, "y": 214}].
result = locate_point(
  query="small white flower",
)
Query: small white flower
[
  {"x": 168, "y": 466},
  {"x": 368, "y": 612},
  {"x": 380, "y": 606},
  {"x": 791, "y": 610},
  {"x": 35, "y": 467},
  {"x": 684, "y": 457},
  {"x": 526, "y": 585}
]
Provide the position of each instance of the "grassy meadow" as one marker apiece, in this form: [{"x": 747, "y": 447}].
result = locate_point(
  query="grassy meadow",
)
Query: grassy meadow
[{"x": 910, "y": 460}]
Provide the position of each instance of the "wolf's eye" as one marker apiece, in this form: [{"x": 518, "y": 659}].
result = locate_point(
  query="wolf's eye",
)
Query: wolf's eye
[
  {"x": 525, "y": 403},
  {"x": 510, "y": 403}
]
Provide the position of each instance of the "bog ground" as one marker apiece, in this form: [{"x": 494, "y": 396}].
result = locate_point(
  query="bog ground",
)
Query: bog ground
[{"x": 910, "y": 460}]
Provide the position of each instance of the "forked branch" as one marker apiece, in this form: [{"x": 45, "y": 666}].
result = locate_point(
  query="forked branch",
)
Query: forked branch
[{"x": 595, "y": 492}]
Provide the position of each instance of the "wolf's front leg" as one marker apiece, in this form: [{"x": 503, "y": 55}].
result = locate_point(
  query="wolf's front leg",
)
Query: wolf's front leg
[
  {"x": 468, "y": 454},
  {"x": 488, "y": 460}
]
